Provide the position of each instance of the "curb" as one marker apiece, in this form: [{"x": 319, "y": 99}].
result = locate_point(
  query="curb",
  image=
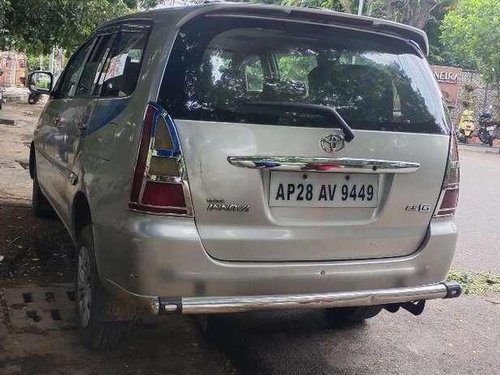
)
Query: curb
[
  {"x": 16, "y": 98},
  {"x": 480, "y": 148}
]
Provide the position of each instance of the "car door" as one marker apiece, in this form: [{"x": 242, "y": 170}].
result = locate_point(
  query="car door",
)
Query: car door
[
  {"x": 50, "y": 137},
  {"x": 78, "y": 116}
]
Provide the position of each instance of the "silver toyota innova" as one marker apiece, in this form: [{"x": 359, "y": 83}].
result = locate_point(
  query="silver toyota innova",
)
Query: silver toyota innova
[{"x": 224, "y": 158}]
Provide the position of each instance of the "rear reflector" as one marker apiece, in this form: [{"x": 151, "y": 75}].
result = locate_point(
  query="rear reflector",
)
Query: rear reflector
[
  {"x": 163, "y": 195},
  {"x": 160, "y": 185},
  {"x": 448, "y": 199}
]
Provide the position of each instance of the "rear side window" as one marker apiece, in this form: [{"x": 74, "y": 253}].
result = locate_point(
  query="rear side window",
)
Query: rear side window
[
  {"x": 69, "y": 80},
  {"x": 90, "y": 75},
  {"x": 121, "y": 69},
  {"x": 218, "y": 67}
]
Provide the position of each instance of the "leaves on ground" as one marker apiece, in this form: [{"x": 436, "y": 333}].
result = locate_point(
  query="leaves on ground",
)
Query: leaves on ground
[{"x": 475, "y": 282}]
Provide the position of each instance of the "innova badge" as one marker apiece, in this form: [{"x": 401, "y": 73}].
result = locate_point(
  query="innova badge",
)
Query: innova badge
[{"x": 332, "y": 143}]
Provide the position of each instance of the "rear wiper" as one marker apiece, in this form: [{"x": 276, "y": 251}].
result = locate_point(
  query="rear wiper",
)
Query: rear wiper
[{"x": 307, "y": 108}]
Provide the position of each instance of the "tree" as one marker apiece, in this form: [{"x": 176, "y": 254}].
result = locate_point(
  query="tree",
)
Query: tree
[
  {"x": 410, "y": 12},
  {"x": 3, "y": 7},
  {"x": 38, "y": 25},
  {"x": 339, "y": 5},
  {"x": 472, "y": 33},
  {"x": 439, "y": 54}
]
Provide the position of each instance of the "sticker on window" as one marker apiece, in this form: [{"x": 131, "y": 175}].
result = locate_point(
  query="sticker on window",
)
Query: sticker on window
[{"x": 116, "y": 66}]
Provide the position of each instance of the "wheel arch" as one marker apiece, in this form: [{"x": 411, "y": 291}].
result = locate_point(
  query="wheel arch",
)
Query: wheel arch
[{"x": 81, "y": 213}]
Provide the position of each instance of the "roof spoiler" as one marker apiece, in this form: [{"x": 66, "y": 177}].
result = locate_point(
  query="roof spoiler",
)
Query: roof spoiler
[{"x": 317, "y": 16}]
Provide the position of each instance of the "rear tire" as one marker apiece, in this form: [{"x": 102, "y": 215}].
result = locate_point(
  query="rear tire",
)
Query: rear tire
[
  {"x": 96, "y": 328},
  {"x": 351, "y": 314}
]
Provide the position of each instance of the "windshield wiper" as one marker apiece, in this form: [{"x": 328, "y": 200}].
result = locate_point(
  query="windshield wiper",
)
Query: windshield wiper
[{"x": 307, "y": 108}]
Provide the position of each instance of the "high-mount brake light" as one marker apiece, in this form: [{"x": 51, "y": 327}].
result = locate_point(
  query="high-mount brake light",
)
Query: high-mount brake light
[
  {"x": 448, "y": 199},
  {"x": 160, "y": 183}
]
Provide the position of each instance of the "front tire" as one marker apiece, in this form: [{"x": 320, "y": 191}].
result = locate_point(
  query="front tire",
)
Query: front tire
[
  {"x": 351, "y": 314},
  {"x": 96, "y": 328}
]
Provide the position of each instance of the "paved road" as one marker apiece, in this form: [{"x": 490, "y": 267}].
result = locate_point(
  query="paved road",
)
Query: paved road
[
  {"x": 479, "y": 213},
  {"x": 459, "y": 336}
]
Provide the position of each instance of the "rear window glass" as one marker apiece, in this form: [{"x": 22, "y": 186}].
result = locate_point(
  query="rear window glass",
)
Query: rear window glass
[{"x": 221, "y": 69}]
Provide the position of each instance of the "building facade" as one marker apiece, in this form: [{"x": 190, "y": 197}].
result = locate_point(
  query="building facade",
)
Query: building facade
[{"x": 13, "y": 65}]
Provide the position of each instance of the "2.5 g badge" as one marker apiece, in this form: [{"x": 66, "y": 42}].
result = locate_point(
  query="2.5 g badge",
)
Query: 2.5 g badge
[{"x": 418, "y": 208}]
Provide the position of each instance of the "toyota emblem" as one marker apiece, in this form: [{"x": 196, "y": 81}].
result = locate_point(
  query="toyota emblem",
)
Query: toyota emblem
[{"x": 332, "y": 143}]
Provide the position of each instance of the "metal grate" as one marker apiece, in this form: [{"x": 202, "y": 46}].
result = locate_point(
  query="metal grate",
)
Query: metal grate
[{"x": 40, "y": 309}]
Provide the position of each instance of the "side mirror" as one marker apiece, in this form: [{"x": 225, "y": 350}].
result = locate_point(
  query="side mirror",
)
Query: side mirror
[{"x": 40, "y": 82}]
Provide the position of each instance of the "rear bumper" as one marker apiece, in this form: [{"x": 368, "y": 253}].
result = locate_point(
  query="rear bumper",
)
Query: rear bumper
[
  {"x": 217, "y": 305},
  {"x": 155, "y": 257}
]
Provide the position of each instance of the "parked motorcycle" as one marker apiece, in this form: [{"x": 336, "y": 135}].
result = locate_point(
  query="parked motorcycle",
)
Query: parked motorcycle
[
  {"x": 466, "y": 126},
  {"x": 34, "y": 96},
  {"x": 488, "y": 130}
]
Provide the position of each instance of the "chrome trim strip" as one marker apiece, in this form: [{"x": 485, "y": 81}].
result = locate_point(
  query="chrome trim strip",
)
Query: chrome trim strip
[
  {"x": 214, "y": 305},
  {"x": 165, "y": 179},
  {"x": 322, "y": 164}
]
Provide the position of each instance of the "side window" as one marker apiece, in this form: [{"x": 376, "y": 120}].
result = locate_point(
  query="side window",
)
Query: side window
[
  {"x": 254, "y": 75},
  {"x": 73, "y": 71},
  {"x": 397, "y": 114},
  {"x": 121, "y": 69},
  {"x": 94, "y": 65}
]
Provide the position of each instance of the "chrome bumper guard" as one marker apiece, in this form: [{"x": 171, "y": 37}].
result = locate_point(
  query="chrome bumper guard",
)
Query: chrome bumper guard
[{"x": 217, "y": 305}]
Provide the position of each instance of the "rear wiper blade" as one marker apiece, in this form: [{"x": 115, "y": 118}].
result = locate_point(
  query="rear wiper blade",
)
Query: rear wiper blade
[{"x": 308, "y": 109}]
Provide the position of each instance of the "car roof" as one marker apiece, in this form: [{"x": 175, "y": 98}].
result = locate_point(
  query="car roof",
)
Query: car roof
[{"x": 181, "y": 15}]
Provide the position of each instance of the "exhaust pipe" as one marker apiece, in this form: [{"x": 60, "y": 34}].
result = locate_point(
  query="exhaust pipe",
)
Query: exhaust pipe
[{"x": 415, "y": 307}]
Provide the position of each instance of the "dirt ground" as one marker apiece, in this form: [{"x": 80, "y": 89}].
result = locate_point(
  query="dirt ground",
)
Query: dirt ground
[
  {"x": 36, "y": 254},
  {"x": 37, "y": 334},
  {"x": 34, "y": 250}
]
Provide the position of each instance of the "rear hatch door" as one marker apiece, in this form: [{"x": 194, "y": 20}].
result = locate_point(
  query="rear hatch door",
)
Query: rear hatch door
[{"x": 277, "y": 183}]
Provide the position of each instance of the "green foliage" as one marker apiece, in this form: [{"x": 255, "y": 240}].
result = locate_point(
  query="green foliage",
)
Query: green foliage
[
  {"x": 4, "y": 4},
  {"x": 475, "y": 283},
  {"x": 339, "y": 5},
  {"x": 439, "y": 54},
  {"x": 38, "y": 25},
  {"x": 410, "y": 12},
  {"x": 472, "y": 33}
]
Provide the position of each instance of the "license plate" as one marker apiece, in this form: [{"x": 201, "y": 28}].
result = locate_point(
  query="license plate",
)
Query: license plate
[{"x": 295, "y": 189}]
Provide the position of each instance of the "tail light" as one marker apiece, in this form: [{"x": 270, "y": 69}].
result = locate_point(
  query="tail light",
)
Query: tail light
[
  {"x": 448, "y": 200},
  {"x": 160, "y": 183}
]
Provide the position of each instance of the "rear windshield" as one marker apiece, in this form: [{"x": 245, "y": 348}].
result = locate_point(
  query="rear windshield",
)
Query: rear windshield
[{"x": 224, "y": 70}]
